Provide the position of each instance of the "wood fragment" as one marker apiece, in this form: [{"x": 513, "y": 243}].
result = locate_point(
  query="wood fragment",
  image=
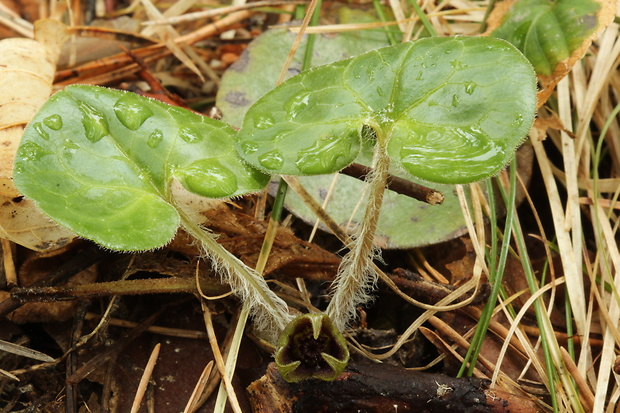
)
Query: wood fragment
[
  {"x": 382, "y": 388},
  {"x": 399, "y": 185}
]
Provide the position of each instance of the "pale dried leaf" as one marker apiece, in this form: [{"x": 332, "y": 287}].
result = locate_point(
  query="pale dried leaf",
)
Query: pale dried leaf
[{"x": 26, "y": 74}]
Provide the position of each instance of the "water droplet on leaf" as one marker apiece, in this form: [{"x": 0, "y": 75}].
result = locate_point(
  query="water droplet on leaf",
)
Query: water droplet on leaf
[
  {"x": 271, "y": 160},
  {"x": 41, "y": 131},
  {"x": 155, "y": 138},
  {"x": 457, "y": 64},
  {"x": 371, "y": 74},
  {"x": 95, "y": 123},
  {"x": 53, "y": 122},
  {"x": 249, "y": 147},
  {"x": 190, "y": 135},
  {"x": 263, "y": 121},
  {"x": 131, "y": 112},
  {"x": 296, "y": 105},
  {"x": 30, "y": 151},
  {"x": 455, "y": 100},
  {"x": 69, "y": 144},
  {"x": 328, "y": 154},
  {"x": 470, "y": 87},
  {"x": 518, "y": 121},
  {"x": 208, "y": 177}
]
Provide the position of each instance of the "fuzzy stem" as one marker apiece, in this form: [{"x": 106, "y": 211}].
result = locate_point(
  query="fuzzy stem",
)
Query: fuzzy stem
[
  {"x": 356, "y": 276},
  {"x": 270, "y": 312}
]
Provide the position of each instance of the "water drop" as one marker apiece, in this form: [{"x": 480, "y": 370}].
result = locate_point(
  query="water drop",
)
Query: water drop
[
  {"x": 190, "y": 135},
  {"x": 53, "y": 122},
  {"x": 95, "y": 123},
  {"x": 380, "y": 91},
  {"x": 271, "y": 160},
  {"x": 419, "y": 76},
  {"x": 249, "y": 147},
  {"x": 70, "y": 145},
  {"x": 455, "y": 100},
  {"x": 370, "y": 72},
  {"x": 457, "y": 64},
  {"x": 131, "y": 112},
  {"x": 470, "y": 87},
  {"x": 328, "y": 154},
  {"x": 518, "y": 121},
  {"x": 30, "y": 151},
  {"x": 155, "y": 138},
  {"x": 208, "y": 177},
  {"x": 263, "y": 121},
  {"x": 296, "y": 105},
  {"x": 40, "y": 130},
  {"x": 69, "y": 149}
]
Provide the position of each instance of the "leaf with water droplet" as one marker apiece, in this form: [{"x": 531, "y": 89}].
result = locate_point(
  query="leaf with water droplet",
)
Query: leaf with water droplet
[
  {"x": 101, "y": 161},
  {"x": 454, "y": 124}
]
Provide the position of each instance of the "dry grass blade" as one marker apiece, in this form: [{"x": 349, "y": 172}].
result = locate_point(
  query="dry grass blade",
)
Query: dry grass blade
[
  {"x": 144, "y": 380},
  {"x": 201, "y": 384},
  {"x": 24, "y": 351}
]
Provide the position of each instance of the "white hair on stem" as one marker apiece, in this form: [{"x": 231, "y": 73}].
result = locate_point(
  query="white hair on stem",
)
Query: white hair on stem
[
  {"x": 270, "y": 312},
  {"x": 356, "y": 277}
]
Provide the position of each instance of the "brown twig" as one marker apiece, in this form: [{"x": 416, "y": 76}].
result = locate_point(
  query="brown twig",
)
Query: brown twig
[{"x": 399, "y": 185}]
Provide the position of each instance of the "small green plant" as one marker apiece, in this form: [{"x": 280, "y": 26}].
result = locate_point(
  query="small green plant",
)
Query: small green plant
[
  {"x": 447, "y": 110},
  {"x": 101, "y": 162}
]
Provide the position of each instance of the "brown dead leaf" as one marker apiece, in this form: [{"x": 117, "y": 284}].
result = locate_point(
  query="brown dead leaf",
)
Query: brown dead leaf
[
  {"x": 26, "y": 74},
  {"x": 243, "y": 236}
]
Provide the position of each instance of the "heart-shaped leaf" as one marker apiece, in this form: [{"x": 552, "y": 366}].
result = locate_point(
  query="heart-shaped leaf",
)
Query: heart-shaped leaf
[
  {"x": 452, "y": 110},
  {"x": 100, "y": 162},
  {"x": 257, "y": 70},
  {"x": 547, "y": 32},
  {"x": 553, "y": 35}
]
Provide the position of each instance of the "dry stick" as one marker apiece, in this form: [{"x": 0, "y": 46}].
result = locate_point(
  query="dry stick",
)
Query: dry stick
[
  {"x": 144, "y": 380},
  {"x": 214, "y": 28},
  {"x": 81, "y": 261},
  {"x": 219, "y": 11},
  {"x": 399, "y": 185}
]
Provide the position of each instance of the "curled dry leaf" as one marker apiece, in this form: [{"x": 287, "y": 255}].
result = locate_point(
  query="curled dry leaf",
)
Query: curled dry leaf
[
  {"x": 26, "y": 74},
  {"x": 572, "y": 26}
]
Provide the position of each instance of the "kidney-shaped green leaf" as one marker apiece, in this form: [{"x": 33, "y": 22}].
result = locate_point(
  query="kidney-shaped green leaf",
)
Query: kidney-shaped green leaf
[
  {"x": 547, "y": 32},
  {"x": 452, "y": 110},
  {"x": 100, "y": 162}
]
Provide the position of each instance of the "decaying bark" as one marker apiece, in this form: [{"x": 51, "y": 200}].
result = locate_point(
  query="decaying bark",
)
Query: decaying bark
[{"x": 382, "y": 388}]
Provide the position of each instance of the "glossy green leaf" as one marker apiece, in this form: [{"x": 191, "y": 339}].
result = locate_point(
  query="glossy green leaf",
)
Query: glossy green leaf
[
  {"x": 100, "y": 162},
  {"x": 548, "y": 32},
  {"x": 452, "y": 110},
  {"x": 257, "y": 70}
]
